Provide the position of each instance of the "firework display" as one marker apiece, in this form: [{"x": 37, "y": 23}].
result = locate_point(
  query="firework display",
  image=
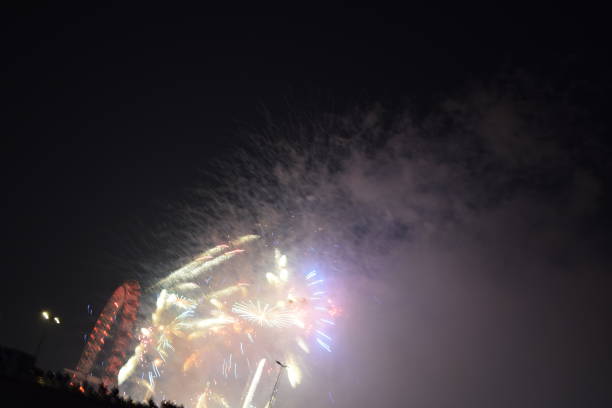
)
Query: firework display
[{"x": 220, "y": 322}]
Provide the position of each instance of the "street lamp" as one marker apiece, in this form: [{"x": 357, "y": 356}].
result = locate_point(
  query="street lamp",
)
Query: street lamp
[
  {"x": 275, "y": 389},
  {"x": 47, "y": 317}
]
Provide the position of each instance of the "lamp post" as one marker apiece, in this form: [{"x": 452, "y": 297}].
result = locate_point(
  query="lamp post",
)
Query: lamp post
[
  {"x": 47, "y": 318},
  {"x": 275, "y": 389}
]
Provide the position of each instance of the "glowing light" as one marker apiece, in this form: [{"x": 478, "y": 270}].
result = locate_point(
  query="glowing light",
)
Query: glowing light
[
  {"x": 254, "y": 383},
  {"x": 229, "y": 326},
  {"x": 191, "y": 361},
  {"x": 209, "y": 323},
  {"x": 45, "y": 315},
  {"x": 302, "y": 344},
  {"x": 324, "y": 335},
  {"x": 56, "y": 320},
  {"x": 216, "y": 303},
  {"x": 294, "y": 374},
  {"x": 266, "y": 315},
  {"x": 273, "y": 279},
  {"x": 324, "y": 345}
]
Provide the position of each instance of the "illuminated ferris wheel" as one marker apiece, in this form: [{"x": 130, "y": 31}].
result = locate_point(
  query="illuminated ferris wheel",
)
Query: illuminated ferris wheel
[{"x": 111, "y": 333}]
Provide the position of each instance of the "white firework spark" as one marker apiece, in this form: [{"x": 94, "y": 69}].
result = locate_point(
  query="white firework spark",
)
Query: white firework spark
[{"x": 265, "y": 315}]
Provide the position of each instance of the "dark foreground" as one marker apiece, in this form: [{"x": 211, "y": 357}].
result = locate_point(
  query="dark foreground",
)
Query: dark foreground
[{"x": 56, "y": 390}]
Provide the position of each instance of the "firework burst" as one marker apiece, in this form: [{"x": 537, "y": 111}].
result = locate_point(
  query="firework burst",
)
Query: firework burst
[{"x": 230, "y": 325}]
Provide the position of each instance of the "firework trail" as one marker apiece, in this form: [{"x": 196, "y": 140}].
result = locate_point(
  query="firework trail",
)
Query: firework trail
[
  {"x": 204, "y": 262},
  {"x": 249, "y": 395}
]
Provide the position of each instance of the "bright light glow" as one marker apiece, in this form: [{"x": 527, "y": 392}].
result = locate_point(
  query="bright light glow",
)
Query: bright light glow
[
  {"x": 293, "y": 372},
  {"x": 56, "y": 320},
  {"x": 253, "y": 386},
  {"x": 324, "y": 345},
  {"x": 273, "y": 279},
  {"x": 302, "y": 344},
  {"x": 226, "y": 325},
  {"x": 315, "y": 282},
  {"x": 45, "y": 315},
  {"x": 324, "y": 335},
  {"x": 266, "y": 315}
]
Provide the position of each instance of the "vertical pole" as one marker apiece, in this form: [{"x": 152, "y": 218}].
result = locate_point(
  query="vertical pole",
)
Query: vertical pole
[
  {"x": 273, "y": 395},
  {"x": 40, "y": 342}
]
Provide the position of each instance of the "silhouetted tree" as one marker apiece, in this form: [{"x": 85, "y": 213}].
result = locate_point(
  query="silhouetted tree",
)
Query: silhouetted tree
[
  {"x": 63, "y": 380},
  {"x": 102, "y": 390},
  {"x": 169, "y": 404}
]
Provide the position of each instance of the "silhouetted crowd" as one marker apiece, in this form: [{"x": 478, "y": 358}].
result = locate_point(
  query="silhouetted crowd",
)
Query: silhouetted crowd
[{"x": 58, "y": 389}]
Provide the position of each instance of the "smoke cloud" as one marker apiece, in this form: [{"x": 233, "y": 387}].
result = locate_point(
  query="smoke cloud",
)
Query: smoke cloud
[{"x": 468, "y": 246}]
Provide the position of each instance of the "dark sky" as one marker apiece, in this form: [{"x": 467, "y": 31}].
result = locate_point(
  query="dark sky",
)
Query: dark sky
[{"x": 111, "y": 114}]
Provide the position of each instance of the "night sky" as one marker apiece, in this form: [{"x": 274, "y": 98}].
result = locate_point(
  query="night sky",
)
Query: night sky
[{"x": 113, "y": 115}]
